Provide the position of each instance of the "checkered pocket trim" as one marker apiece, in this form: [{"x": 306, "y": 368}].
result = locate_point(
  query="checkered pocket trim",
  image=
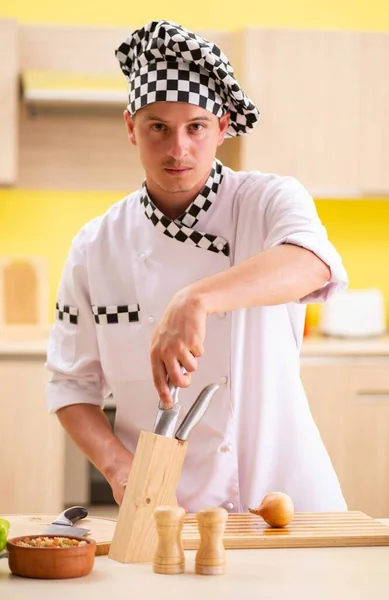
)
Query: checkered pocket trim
[
  {"x": 105, "y": 315},
  {"x": 66, "y": 313}
]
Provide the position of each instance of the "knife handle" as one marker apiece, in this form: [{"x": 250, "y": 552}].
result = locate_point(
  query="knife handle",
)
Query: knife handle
[
  {"x": 70, "y": 515},
  {"x": 174, "y": 390}
]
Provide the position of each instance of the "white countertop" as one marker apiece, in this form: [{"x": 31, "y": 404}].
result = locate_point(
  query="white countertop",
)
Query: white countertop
[
  {"x": 24, "y": 348},
  {"x": 318, "y": 345},
  {"x": 288, "y": 573},
  {"x": 313, "y": 345}
]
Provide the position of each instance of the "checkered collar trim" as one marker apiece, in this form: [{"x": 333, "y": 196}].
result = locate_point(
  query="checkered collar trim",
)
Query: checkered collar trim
[{"x": 181, "y": 229}]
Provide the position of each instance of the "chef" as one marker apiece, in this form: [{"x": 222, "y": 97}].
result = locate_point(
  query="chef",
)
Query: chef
[{"x": 204, "y": 270}]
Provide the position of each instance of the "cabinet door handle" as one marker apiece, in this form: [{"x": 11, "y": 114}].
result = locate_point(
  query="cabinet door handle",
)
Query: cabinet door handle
[{"x": 374, "y": 396}]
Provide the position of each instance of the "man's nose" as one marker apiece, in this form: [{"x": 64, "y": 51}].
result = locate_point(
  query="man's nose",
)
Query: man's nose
[{"x": 178, "y": 145}]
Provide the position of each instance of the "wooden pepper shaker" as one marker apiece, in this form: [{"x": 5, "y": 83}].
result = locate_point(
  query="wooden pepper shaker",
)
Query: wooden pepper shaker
[
  {"x": 211, "y": 555},
  {"x": 169, "y": 557}
]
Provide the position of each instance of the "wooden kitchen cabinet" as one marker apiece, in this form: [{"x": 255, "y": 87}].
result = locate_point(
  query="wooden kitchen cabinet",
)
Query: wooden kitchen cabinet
[
  {"x": 349, "y": 400},
  {"x": 32, "y": 440},
  {"x": 374, "y": 113},
  {"x": 9, "y": 88},
  {"x": 324, "y": 98},
  {"x": 306, "y": 85}
]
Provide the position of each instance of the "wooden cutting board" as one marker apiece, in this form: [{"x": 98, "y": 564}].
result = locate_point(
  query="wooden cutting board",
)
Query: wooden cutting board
[
  {"x": 307, "y": 530},
  {"x": 33, "y": 524}
]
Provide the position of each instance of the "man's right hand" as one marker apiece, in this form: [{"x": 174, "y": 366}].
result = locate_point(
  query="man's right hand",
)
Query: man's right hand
[
  {"x": 89, "y": 428},
  {"x": 118, "y": 478}
]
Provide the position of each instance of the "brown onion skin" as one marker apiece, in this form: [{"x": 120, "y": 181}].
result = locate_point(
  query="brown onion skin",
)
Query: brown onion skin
[{"x": 276, "y": 509}]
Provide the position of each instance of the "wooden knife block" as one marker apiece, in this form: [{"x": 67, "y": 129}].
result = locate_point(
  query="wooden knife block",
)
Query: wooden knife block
[{"x": 152, "y": 482}]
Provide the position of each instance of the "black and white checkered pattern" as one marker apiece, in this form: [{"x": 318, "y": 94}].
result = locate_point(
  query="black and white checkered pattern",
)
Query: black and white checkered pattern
[
  {"x": 105, "y": 315},
  {"x": 66, "y": 313},
  {"x": 205, "y": 198},
  {"x": 165, "y": 62},
  {"x": 181, "y": 229}
]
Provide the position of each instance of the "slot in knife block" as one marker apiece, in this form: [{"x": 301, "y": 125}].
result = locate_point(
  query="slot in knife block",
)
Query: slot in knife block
[{"x": 152, "y": 482}]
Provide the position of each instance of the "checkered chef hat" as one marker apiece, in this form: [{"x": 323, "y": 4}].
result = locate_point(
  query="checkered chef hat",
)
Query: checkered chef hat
[{"x": 164, "y": 61}]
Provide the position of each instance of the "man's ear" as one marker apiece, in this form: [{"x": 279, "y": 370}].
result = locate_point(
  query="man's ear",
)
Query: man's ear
[
  {"x": 129, "y": 121},
  {"x": 224, "y": 121}
]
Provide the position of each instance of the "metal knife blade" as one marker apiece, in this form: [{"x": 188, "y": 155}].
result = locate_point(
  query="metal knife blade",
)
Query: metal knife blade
[
  {"x": 66, "y": 530},
  {"x": 196, "y": 411},
  {"x": 63, "y": 523},
  {"x": 166, "y": 420}
]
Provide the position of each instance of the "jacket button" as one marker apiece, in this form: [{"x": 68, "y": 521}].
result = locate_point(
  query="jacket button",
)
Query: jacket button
[
  {"x": 220, "y": 246},
  {"x": 151, "y": 319},
  {"x": 144, "y": 257},
  {"x": 223, "y": 380},
  {"x": 226, "y": 448},
  {"x": 229, "y": 506}
]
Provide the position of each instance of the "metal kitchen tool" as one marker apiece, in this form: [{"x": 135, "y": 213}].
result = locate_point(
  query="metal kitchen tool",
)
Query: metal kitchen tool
[
  {"x": 196, "y": 411},
  {"x": 165, "y": 422},
  {"x": 63, "y": 523},
  {"x": 167, "y": 417}
]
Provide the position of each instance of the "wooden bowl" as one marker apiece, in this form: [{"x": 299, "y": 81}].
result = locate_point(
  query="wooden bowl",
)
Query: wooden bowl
[{"x": 52, "y": 562}]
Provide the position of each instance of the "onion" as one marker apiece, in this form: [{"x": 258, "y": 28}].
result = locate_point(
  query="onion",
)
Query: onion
[{"x": 276, "y": 509}]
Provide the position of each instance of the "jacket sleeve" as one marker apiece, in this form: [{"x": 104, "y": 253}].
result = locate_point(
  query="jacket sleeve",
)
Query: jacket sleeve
[
  {"x": 72, "y": 353},
  {"x": 291, "y": 218}
]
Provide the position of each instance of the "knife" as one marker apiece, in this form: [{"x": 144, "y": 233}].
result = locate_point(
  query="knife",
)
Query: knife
[
  {"x": 63, "y": 523},
  {"x": 196, "y": 411},
  {"x": 166, "y": 419}
]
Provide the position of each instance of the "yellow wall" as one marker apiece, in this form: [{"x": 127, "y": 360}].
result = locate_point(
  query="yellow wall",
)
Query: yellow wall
[
  {"x": 43, "y": 223},
  {"x": 324, "y": 14},
  {"x": 359, "y": 229}
]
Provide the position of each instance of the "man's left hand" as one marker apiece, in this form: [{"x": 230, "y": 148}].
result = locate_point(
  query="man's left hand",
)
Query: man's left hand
[{"x": 177, "y": 342}]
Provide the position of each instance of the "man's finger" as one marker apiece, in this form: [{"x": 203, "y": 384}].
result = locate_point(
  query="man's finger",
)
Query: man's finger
[
  {"x": 188, "y": 361},
  {"x": 176, "y": 373},
  {"x": 160, "y": 382},
  {"x": 197, "y": 347}
]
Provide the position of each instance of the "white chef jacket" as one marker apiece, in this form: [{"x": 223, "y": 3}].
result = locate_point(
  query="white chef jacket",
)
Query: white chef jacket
[{"x": 258, "y": 434}]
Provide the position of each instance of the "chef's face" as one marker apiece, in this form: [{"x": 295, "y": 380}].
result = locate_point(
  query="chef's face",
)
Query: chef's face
[{"x": 177, "y": 144}]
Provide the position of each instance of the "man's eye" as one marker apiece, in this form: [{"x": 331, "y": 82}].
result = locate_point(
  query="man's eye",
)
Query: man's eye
[
  {"x": 196, "y": 127},
  {"x": 158, "y": 127}
]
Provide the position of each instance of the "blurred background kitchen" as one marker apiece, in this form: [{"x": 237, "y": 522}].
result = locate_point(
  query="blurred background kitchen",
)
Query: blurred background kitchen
[{"x": 319, "y": 73}]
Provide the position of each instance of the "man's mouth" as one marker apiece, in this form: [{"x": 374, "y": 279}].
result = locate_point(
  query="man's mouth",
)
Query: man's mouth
[{"x": 177, "y": 170}]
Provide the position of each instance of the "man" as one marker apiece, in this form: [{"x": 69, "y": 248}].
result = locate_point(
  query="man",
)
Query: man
[{"x": 202, "y": 268}]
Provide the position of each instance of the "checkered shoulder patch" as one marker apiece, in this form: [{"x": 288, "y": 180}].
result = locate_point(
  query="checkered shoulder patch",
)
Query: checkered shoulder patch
[
  {"x": 66, "y": 313},
  {"x": 127, "y": 313}
]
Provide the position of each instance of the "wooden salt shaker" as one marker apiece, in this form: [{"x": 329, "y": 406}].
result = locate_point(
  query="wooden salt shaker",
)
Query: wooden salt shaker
[
  {"x": 211, "y": 555},
  {"x": 169, "y": 557}
]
